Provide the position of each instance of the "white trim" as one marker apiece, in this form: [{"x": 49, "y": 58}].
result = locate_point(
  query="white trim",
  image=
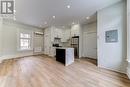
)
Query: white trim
[
  {"x": 2, "y": 58},
  {"x": 100, "y": 66},
  {"x": 15, "y": 56}
]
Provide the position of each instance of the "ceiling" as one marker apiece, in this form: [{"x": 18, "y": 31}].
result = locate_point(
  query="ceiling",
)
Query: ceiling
[{"x": 40, "y": 12}]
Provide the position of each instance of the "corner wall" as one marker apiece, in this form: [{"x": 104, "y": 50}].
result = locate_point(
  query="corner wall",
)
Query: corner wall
[
  {"x": 9, "y": 43},
  {"x": 113, "y": 55}
]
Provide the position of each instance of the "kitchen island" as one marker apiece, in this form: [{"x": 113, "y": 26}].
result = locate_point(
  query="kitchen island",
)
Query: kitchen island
[{"x": 65, "y": 55}]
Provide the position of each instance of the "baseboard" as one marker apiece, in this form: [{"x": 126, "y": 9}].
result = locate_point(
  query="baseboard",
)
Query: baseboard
[
  {"x": 2, "y": 58},
  {"x": 115, "y": 70},
  {"x": 89, "y": 58},
  {"x": 38, "y": 53}
]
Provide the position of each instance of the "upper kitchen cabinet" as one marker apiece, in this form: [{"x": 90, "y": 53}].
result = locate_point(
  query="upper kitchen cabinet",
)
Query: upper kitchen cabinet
[
  {"x": 56, "y": 33},
  {"x": 75, "y": 30},
  {"x": 66, "y": 35},
  {"x": 61, "y": 33}
]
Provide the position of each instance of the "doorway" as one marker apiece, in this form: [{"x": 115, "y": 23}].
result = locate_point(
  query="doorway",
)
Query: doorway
[{"x": 90, "y": 45}]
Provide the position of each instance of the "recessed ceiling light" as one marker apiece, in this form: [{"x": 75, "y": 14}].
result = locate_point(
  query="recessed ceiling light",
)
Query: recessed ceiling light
[
  {"x": 54, "y": 17},
  {"x": 87, "y": 18},
  {"x": 14, "y": 11},
  {"x": 45, "y": 22},
  {"x": 68, "y": 6},
  {"x": 73, "y": 23}
]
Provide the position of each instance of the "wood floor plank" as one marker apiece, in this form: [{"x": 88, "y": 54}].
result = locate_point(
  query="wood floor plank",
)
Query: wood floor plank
[{"x": 43, "y": 71}]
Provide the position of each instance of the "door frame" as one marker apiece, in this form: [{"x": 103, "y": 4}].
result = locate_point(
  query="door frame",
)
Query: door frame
[{"x": 86, "y": 33}]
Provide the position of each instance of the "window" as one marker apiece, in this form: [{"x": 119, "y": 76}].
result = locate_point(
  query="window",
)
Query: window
[{"x": 25, "y": 41}]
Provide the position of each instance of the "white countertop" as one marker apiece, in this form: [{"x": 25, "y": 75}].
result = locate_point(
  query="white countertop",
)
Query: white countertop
[{"x": 64, "y": 48}]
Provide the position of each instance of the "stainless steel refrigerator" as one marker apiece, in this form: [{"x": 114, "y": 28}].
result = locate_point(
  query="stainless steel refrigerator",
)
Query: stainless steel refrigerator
[{"x": 75, "y": 45}]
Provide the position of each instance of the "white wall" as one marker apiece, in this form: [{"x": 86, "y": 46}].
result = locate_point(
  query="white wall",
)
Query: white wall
[
  {"x": 128, "y": 37},
  {"x": 90, "y": 28},
  {"x": 0, "y": 37},
  {"x": 112, "y": 55},
  {"x": 9, "y": 39}
]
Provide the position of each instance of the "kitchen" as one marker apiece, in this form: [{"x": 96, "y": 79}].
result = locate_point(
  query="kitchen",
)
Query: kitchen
[{"x": 62, "y": 38}]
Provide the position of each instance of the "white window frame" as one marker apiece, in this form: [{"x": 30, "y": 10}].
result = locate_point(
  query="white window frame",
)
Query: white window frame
[{"x": 19, "y": 40}]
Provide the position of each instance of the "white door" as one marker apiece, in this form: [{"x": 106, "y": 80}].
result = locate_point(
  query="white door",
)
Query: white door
[{"x": 90, "y": 45}]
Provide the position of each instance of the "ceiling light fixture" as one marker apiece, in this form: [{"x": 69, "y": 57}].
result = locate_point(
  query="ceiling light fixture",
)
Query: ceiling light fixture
[
  {"x": 54, "y": 17},
  {"x": 45, "y": 22},
  {"x": 14, "y": 11},
  {"x": 68, "y": 6},
  {"x": 87, "y": 18}
]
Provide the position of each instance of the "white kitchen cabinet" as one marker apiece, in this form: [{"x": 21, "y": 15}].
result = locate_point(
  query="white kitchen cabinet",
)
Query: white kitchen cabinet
[
  {"x": 50, "y": 34},
  {"x": 57, "y": 33},
  {"x": 66, "y": 35},
  {"x": 75, "y": 30}
]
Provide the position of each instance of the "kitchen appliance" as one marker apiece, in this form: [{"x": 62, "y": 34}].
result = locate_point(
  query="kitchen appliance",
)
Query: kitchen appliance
[{"x": 75, "y": 45}]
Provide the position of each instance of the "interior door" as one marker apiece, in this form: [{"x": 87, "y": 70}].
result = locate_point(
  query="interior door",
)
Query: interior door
[{"x": 90, "y": 45}]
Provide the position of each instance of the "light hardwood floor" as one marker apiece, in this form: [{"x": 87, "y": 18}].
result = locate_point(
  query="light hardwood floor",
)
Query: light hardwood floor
[{"x": 42, "y": 71}]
